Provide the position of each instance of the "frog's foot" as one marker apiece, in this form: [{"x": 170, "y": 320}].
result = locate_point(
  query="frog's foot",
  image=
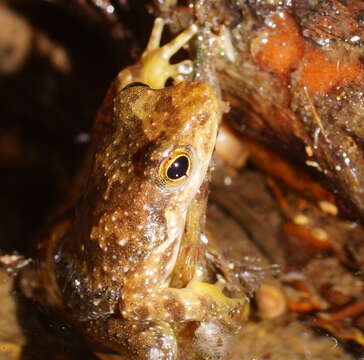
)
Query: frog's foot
[
  {"x": 231, "y": 311},
  {"x": 198, "y": 301},
  {"x": 155, "y": 68}
]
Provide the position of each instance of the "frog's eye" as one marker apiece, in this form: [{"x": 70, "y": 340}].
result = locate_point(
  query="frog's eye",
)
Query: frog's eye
[
  {"x": 177, "y": 167},
  {"x": 135, "y": 84}
]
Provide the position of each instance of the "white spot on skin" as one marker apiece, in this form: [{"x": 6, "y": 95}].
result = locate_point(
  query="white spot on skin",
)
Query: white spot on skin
[
  {"x": 121, "y": 242},
  {"x": 227, "y": 180},
  {"x": 174, "y": 231},
  {"x": 204, "y": 238}
]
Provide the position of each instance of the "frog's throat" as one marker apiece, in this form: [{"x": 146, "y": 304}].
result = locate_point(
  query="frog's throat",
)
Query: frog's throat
[{"x": 175, "y": 227}]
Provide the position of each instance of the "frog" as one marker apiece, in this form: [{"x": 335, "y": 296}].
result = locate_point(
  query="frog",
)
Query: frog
[{"x": 108, "y": 267}]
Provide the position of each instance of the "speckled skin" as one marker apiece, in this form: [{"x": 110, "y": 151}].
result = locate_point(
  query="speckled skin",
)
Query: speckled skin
[{"x": 109, "y": 269}]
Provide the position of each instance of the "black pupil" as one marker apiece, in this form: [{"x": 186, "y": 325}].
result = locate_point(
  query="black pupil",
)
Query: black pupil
[{"x": 178, "y": 168}]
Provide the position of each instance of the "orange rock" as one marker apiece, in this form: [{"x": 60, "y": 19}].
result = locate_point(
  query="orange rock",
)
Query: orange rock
[
  {"x": 319, "y": 73},
  {"x": 279, "y": 47}
]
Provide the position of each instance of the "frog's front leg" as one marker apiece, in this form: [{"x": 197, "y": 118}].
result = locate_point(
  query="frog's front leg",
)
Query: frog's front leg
[{"x": 147, "y": 297}]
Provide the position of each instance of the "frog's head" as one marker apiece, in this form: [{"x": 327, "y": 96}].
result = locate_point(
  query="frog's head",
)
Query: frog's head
[
  {"x": 170, "y": 134},
  {"x": 147, "y": 167}
]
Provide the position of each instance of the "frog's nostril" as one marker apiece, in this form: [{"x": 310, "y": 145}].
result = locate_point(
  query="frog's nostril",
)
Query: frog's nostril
[{"x": 169, "y": 82}]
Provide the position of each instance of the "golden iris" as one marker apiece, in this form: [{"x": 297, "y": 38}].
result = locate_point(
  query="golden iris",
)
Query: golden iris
[{"x": 177, "y": 167}]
